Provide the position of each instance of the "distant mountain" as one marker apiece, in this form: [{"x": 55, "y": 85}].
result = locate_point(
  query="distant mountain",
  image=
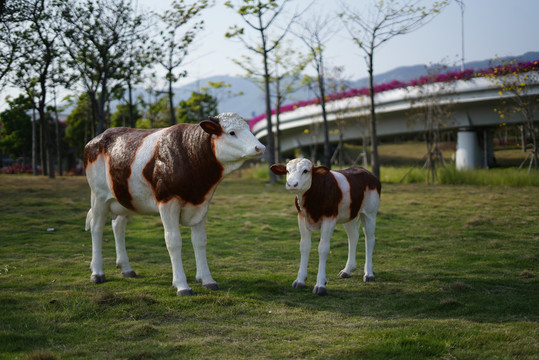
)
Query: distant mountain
[{"x": 251, "y": 103}]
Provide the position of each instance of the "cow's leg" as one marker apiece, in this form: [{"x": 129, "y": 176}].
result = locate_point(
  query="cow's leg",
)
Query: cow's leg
[
  {"x": 369, "y": 224},
  {"x": 170, "y": 216},
  {"x": 98, "y": 216},
  {"x": 122, "y": 261},
  {"x": 199, "y": 240},
  {"x": 304, "y": 248},
  {"x": 323, "y": 250},
  {"x": 352, "y": 230}
]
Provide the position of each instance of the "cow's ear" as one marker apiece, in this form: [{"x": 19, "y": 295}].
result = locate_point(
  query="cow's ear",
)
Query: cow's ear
[
  {"x": 211, "y": 127},
  {"x": 320, "y": 170},
  {"x": 278, "y": 169}
]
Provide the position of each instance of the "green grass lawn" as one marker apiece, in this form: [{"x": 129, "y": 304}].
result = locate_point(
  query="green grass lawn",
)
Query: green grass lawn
[{"x": 456, "y": 278}]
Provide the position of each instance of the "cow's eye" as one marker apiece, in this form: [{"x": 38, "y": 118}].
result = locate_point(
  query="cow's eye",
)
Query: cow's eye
[
  {"x": 232, "y": 133},
  {"x": 305, "y": 171}
]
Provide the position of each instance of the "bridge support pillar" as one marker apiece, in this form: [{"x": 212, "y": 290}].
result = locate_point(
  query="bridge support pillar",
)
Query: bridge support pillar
[{"x": 475, "y": 149}]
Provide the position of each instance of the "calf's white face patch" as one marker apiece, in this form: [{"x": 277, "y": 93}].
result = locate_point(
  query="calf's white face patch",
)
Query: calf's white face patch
[
  {"x": 299, "y": 175},
  {"x": 237, "y": 142}
]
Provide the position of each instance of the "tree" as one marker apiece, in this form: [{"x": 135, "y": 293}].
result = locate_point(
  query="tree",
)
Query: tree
[
  {"x": 16, "y": 130},
  {"x": 97, "y": 36},
  {"x": 514, "y": 81},
  {"x": 181, "y": 29},
  {"x": 430, "y": 105},
  {"x": 139, "y": 58},
  {"x": 370, "y": 30},
  {"x": 198, "y": 107},
  {"x": 11, "y": 22},
  {"x": 125, "y": 115},
  {"x": 219, "y": 90},
  {"x": 286, "y": 65},
  {"x": 315, "y": 33},
  {"x": 260, "y": 16},
  {"x": 39, "y": 43},
  {"x": 78, "y": 131}
]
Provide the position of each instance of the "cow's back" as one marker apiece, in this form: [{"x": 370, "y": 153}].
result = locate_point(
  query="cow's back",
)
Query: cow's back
[
  {"x": 360, "y": 181},
  {"x": 108, "y": 160}
]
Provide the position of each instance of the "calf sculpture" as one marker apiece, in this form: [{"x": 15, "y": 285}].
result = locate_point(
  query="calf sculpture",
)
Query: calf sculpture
[
  {"x": 173, "y": 172},
  {"x": 325, "y": 198}
]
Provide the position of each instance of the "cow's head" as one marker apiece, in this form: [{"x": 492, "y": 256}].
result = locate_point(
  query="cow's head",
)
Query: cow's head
[
  {"x": 233, "y": 141},
  {"x": 299, "y": 174}
]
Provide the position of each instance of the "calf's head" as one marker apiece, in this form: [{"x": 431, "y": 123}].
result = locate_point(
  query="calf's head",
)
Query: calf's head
[
  {"x": 233, "y": 141},
  {"x": 299, "y": 174}
]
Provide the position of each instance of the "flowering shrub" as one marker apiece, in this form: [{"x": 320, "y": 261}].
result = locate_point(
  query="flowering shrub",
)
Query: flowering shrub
[
  {"x": 449, "y": 76},
  {"x": 17, "y": 168}
]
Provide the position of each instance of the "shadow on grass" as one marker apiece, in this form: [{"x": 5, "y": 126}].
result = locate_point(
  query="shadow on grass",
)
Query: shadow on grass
[{"x": 470, "y": 299}]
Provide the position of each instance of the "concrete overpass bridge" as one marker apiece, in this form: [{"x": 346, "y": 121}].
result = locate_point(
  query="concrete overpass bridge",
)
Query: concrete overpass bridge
[{"x": 472, "y": 104}]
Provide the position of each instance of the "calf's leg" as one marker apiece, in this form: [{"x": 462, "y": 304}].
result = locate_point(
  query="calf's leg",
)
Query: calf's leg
[
  {"x": 304, "y": 248},
  {"x": 323, "y": 250},
  {"x": 352, "y": 230},
  {"x": 369, "y": 224},
  {"x": 122, "y": 261},
  {"x": 170, "y": 216},
  {"x": 199, "y": 240},
  {"x": 98, "y": 216}
]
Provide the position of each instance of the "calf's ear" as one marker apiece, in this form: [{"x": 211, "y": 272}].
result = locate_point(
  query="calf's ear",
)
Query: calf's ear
[
  {"x": 211, "y": 127},
  {"x": 278, "y": 169},
  {"x": 320, "y": 170}
]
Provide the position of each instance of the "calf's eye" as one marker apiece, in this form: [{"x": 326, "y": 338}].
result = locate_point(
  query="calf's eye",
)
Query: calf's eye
[
  {"x": 232, "y": 133},
  {"x": 305, "y": 171}
]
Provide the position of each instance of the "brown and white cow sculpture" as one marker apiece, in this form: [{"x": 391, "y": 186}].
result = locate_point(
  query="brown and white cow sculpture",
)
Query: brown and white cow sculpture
[
  {"x": 173, "y": 172},
  {"x": 325, "y": 198}
]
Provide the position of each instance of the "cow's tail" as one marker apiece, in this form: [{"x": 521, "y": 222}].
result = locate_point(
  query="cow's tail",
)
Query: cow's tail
[{"x": 89, "y": 219}]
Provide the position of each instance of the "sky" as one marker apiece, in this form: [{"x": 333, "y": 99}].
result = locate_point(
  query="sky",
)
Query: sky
[{"x": 491, "y": 28}]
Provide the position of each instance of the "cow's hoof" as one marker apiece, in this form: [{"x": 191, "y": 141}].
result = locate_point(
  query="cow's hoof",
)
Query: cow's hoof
[
  {"x": 344, "y": 275},
  {"x": 319, "y": 290},
  {"x": 186, "y": 292},
  {"x": 130, "y": 274},
  {"x": 368, "y": 278},
  {"x": 211, "y": 286},
  {"x": 298, "y": 285},
  {"x": 98, "y": 279}
]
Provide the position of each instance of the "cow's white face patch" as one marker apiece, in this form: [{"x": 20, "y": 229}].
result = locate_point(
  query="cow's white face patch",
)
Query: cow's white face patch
[
  {"x": 237, "y": 143},
  {"x": 299, "y": 175}
]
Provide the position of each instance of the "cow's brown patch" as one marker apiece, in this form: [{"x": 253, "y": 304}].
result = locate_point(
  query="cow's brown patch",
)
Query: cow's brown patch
[
  {"x": 323, "y": 198},
  {"x": 359, "y": 179},
  {"x": 120, "y": 145},
  {"x": 184, "y": 165}
]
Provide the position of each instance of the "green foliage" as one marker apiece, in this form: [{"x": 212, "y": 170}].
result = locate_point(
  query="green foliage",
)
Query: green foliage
[
  {"x": 466, "y": 288},
  {"x": 79, "y": 125},
  {"x": 121, "y": 116},
  {"x": 16, "y": 128},
  {"x": 198, "y": 107}
]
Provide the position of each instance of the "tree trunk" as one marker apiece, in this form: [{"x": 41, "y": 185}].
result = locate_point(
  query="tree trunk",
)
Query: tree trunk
[
  {"x": 131, "y": 112},
  {"x": 34, "y": 143},
  {"x": 327, "y": 150},
  {"x": 374, "y": 141},
  {"x": 101, "y": 106},
  {"x": 270, "y": 142},
  {"x": 58, "y": 142},
  {"x": 171, "y": 100}
]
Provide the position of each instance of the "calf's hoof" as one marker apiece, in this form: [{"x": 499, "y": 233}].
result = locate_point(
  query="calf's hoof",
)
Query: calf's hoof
[
  {"x": 368, "y": 278},
  {"x": 186, "y": 292},
  {"x": 211, "y": 286},
  {"x": 130, "y": 274},
  {"x": 98, "y": 279},
  {"x": 319, "y": 290},
  {"x": 298, "y": 285},
  {"x": 344, "y": 275}
]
